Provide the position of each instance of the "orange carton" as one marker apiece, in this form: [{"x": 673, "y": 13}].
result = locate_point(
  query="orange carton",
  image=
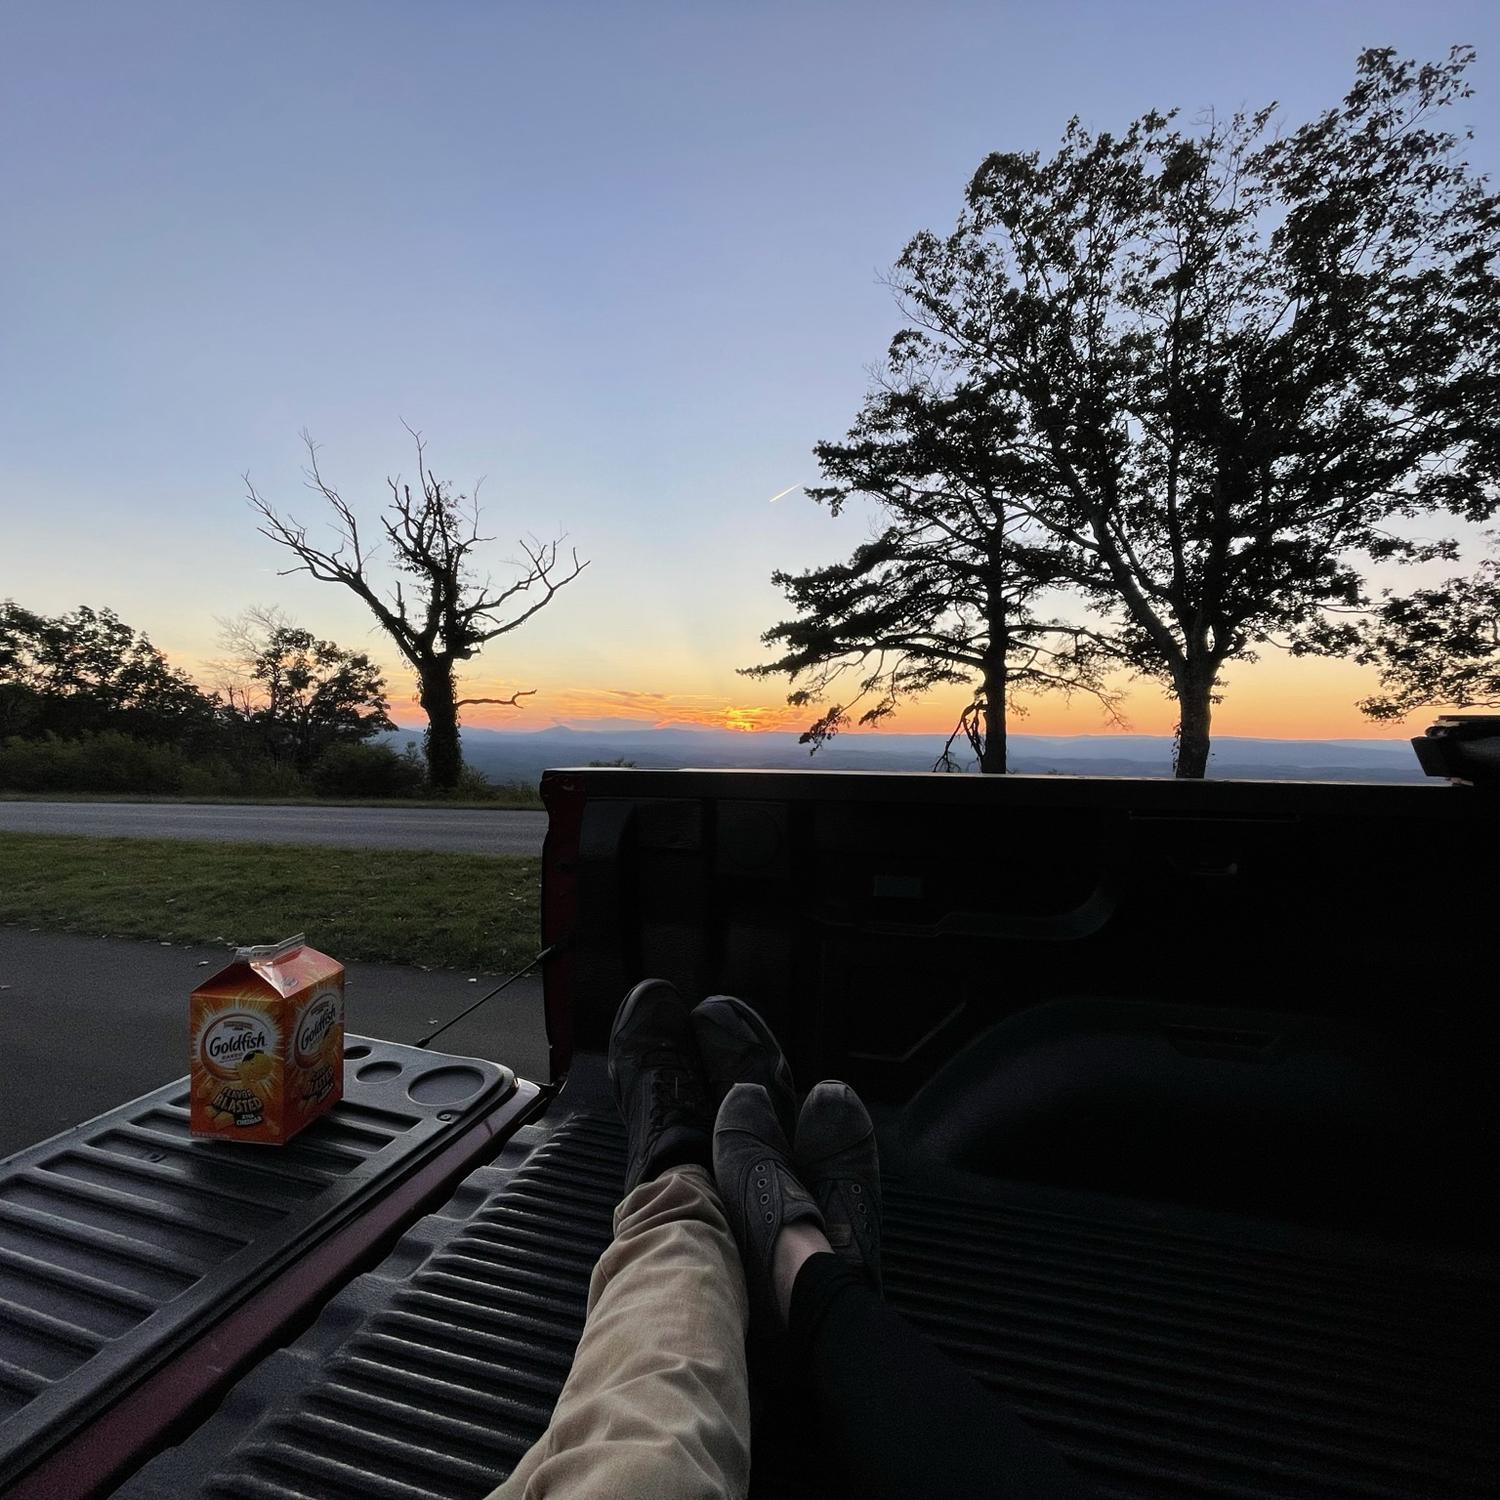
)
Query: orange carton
[{"x": 267, "y": 1043}]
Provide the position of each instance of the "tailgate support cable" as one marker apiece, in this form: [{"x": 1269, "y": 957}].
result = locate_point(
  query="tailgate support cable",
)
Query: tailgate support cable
[{"x": 526, "y": 969}]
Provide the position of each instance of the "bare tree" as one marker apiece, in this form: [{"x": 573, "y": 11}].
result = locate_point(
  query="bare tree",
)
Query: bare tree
[
  {"x": 447, "y": 615},
  {"x": 242, "y": 638}
]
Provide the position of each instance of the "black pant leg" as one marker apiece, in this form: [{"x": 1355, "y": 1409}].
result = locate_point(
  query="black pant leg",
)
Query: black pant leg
[{"x": 895, "y": 1415}]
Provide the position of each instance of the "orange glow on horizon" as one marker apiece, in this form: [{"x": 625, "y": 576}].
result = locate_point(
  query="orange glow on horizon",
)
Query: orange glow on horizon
[
  {"x": 756, "y": 720},
  {"x": 1279, "y": 698},
  {"x": 641, "y": 708},
  {"x": 1276, "y": 698}
]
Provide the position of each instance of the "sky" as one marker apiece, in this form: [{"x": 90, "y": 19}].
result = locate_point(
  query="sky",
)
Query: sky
[{"x": 622, "y": 260}]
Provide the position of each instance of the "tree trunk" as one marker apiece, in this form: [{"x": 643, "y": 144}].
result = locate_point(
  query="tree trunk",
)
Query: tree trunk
[
  {"x": 992, "y": 759},
  {"x": 444, "y": 754},
  {"x": 996, "y": 683},
  {"x": 1195, "y": 709}
]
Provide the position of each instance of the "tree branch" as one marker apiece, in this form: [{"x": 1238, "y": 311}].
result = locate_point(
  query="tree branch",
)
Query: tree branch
[{"x": 512, "y": 702}]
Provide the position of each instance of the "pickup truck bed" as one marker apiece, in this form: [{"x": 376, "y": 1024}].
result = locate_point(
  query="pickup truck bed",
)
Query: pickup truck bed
[
  {"x": 1185, "y": 1101},
  {"x": 1168, "y": 1352}
]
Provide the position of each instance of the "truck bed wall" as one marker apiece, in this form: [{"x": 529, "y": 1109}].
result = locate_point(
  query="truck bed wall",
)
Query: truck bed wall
[{"x": 1292, "y": 971}]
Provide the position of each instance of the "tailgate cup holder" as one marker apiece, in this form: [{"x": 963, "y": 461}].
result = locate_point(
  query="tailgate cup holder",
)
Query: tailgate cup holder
[
  {"x": 450, "y": 1084},
  {"x": 359, "y": 1049},
  {"x": 377, "y": 1071}
]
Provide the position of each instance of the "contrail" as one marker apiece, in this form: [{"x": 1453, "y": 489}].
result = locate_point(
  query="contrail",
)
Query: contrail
[{"x": 787, "y": 491}]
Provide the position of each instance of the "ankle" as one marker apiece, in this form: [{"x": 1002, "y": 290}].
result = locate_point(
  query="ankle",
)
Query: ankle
[
  {"x": 680, "y": 1146},
  {"x": 794, "y": 1246}
]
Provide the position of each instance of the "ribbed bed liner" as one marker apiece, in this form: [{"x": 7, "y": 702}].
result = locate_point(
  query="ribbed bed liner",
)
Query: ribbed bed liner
[
  {"x": 1169, "y": 1356},
  {"x": 124, "y": 1241}
]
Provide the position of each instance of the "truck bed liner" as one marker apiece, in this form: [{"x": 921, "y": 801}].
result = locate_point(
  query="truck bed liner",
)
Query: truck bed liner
[{"x": 1170, "y": 1353}]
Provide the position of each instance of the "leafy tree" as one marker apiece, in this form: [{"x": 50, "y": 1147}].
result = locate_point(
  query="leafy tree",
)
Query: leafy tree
[
  {"x": 946, "y": 593},
  {"x": 1227, "y": 364},
  {"x": 301, "y": 695},
  {"x": 1437, "y": 647},
  {"x": 20, "y": 698},
  {"x": 450, "y": 615},
  {"x": 89, "y": 672}
]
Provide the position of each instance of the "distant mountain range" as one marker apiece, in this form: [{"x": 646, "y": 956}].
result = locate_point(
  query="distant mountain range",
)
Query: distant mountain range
[{"x": 510, "y": 755}]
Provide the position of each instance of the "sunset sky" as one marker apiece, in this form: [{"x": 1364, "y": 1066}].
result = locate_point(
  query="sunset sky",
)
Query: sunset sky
[{"x": 621, "y": 259}]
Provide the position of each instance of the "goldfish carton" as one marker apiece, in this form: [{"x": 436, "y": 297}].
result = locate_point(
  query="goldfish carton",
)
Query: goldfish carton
[{"x": 267, "y": 1043}]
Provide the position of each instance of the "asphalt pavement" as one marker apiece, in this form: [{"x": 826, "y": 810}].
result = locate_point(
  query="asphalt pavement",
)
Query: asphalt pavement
[
  {"x": 456, "y": 830},
  {"x": 89, "y": 1023}
]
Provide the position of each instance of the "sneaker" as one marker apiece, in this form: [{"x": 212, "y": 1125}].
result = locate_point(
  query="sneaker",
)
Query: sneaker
[
  {"x": 658, "y": 1082},
  {"x": 838, "y": 1160},
  {"x": 738, "y": 1047},
  {"x": 759, "y": 1188}
]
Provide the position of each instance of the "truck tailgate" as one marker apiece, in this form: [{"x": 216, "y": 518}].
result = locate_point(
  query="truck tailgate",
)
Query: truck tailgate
[{"x": 140, "y": 1268}]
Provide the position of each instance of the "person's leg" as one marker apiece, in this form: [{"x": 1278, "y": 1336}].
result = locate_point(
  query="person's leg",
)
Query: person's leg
[
  {"x": 893, "y": 1415},
  {"x": 896, "y": 1415},
  {"x": 656, "y": 1403}
]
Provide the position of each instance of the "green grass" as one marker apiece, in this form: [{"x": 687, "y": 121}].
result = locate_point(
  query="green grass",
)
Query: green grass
[{"x": 466, "y": 911}]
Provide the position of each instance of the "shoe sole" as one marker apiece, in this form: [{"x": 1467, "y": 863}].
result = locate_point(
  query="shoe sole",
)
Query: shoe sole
[
  {"x": 784, "y": 1093},
  {"x": 627, "y": 1005},
  {"x": 857, "y": 1118}
]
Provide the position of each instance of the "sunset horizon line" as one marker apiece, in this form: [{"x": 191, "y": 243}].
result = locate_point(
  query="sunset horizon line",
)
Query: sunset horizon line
[{"x": 723, "y": 728}]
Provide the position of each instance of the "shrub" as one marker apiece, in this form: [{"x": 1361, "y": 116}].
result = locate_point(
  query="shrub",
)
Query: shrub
[
  {"x": 105, "y": 762},
  {"x": 267, "y": 778},
  {"x": 368, "y": 771}
]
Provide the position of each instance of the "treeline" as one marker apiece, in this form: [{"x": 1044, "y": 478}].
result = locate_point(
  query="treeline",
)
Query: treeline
[{"x": 88, "y": 704}]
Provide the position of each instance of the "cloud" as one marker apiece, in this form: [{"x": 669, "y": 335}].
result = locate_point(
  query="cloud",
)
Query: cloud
[{"x": 632, "y": 695}]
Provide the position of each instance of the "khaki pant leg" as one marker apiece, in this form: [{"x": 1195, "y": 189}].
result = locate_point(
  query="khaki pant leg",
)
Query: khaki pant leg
[{"x": 657, "y": 1403}]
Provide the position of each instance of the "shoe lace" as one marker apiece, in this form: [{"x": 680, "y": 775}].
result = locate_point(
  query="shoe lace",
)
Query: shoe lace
[{"x": 674, "y": 1090}]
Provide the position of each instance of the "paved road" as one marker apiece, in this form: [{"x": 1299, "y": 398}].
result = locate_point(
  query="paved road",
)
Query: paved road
[
  {"x": 445, "y": 829},
  {"x": 89, "y": 1023}
]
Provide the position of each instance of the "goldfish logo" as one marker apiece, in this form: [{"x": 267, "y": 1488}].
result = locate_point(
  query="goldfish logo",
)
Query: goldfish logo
[
  {"x": 230, "y": 1038},
  {"x": 317, "y": 1020}
]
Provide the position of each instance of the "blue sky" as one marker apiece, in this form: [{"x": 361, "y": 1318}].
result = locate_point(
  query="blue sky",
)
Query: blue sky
[{"x": 624, "y": 260}]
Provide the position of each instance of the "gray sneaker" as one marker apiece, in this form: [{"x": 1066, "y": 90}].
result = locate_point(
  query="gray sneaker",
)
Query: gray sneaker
[
  {"x": 759, "y": 1188},
  {"x": 838, "y": 1160},
  {"x": 737, "y": 1046},
  {"x": 658, "y": 1081}
]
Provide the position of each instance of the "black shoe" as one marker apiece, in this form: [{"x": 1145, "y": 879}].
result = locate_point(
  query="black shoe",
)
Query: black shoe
[
  {"x": 738, "y": 1047},
  {"x": 658, "y": 1082},
  {"x": 838, "y": 1160},
  {"x": 759, "y": 1188}
]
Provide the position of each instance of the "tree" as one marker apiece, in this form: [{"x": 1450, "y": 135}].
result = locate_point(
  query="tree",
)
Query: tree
[
  {"x": 433, "y": 535},
  {"x": 1436, "y": 647},
  {"x": 300, "y": 695},
  {"x": 1228, "y": 364},
  {"x": 20, "y": 696},
  {"x": 89, "y": 672},
  {"x": 946, "y": 592}
]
